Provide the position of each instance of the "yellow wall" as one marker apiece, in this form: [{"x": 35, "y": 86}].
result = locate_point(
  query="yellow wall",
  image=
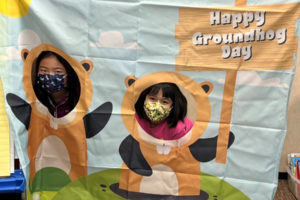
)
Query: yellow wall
[{"x": 4, "y": 138}]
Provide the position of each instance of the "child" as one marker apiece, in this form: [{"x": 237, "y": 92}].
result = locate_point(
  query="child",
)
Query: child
[
  {"x": 161, "y": 111},
  {"x": 56, "y": 84}
]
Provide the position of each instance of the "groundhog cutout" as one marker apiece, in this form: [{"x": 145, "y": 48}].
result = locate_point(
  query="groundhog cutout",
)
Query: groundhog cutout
[
  {"x": 155, "y": 168},
  {"x": 57, "y": 148}
]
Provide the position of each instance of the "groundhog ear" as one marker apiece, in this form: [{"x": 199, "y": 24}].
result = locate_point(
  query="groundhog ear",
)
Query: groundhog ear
[
  {"x": 207, "y": 87},
  {"x": 87, "y": 65},
  {"x": 24, "y": 54},
  {"x": 129, "y": 80}
]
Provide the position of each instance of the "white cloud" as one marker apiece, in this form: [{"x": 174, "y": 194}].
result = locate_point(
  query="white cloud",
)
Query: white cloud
[
  {"x": 253, "y": 79},
  {"x": 114, "y": 39},
  {"x": 13, "y": 53},
  {"x": 27, "y": 39}
]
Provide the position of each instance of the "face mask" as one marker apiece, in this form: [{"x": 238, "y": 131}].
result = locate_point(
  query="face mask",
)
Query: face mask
[
  {"x": 51, "y": 83},
  {"x": 155, "y": 111}
]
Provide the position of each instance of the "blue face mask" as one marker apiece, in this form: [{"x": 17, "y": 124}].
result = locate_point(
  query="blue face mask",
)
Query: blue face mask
[{"x": 51, "y": 83}]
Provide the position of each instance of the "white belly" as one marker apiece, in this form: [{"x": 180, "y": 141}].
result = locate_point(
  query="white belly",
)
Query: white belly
[
  {"x": 52, "y": 152},
  {"x": 163, "y": 181}
]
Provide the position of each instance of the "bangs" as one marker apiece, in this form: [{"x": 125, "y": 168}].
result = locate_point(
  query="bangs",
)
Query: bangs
[{"x": 168, "y": 90}]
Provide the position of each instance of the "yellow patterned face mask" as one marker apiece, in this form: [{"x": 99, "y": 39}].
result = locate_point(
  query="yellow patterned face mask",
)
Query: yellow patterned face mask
[{"x": 155, "y": 111}]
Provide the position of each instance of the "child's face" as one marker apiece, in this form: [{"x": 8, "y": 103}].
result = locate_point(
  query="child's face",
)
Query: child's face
[
  {"x": 52, "y": 75},
  {"x": 51, "y": 65},
  {"x": 167, "y": 102}
]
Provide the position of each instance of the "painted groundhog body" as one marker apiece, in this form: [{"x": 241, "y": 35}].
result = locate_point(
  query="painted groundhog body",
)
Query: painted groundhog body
[
  {"x": 166, "y": 167},
  {"x": 58, "y": 143}
]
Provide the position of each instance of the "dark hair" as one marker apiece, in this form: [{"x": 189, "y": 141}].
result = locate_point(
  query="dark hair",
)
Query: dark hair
[
  {"x": 73, "y": 84},
  {"x": 169, "y": 90}
]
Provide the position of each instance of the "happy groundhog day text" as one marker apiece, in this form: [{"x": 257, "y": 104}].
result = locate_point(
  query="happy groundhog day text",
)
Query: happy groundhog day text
[{"x": 236, "y": 19}]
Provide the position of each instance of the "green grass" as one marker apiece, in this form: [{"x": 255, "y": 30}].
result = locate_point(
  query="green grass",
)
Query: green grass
[{"x": 96, "y": 186}]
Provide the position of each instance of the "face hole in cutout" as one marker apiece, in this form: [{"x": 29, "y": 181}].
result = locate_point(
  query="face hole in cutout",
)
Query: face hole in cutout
[
  {"x": 150, "y": 111},
  {"x": 60, "y": 100}
]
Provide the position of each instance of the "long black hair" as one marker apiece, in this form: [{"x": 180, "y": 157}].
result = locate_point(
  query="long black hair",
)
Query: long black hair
[
  {"x": 73, "y": 84},
  {"x": 169, "y": 90}
]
